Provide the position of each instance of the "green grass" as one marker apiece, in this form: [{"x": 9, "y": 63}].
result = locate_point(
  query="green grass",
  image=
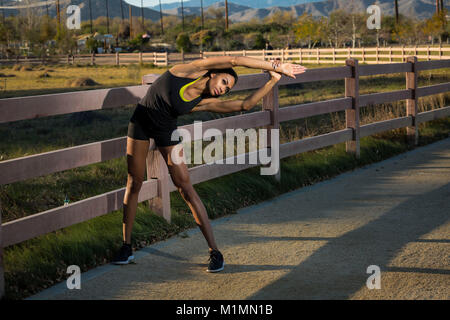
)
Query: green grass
[{"x": 38, "y": 263}]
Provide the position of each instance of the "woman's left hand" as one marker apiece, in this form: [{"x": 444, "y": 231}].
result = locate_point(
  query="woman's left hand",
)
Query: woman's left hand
[
  {"x": 291, "y": 69},
  {"x": 275, "y": 75}
]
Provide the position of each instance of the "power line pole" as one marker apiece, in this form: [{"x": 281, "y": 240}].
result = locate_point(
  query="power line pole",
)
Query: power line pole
[
  {"x": 182, "y": 14},
  {"x": 58, "y": 14},
  {"x": 161, "y": 17},
  {"x": 203, "y": 22},
  {"x": 3, "y": 12},
  {"x": 131, "y": 22},
  {"x": 121, "y": 8},
  {"x": 90, "y": 14},
  {"x": 107, "y": 17},
  {"x": 396, "y": 11},
  {"x": 142, "y": 14},
  {"x": 226, "y": 14}
]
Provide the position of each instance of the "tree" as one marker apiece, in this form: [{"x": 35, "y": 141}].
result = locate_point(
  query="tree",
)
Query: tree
[
  {"x": 183, "y": 42},
  {"x": 260, "y": 42},
  {"x": 309, "y": 29},
  {"x": 433, "y": 26},
  {"x": 337, "y": 28}
]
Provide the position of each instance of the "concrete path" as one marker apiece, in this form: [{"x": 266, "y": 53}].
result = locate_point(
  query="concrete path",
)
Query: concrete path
[{"x": 313, "y": 243}]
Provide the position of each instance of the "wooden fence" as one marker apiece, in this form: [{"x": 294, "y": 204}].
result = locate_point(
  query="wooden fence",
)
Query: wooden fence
[
  {"x": 373, "y": 55},
  {"x": 157, "y": 187},
  {"x": 157, "y": 58}
]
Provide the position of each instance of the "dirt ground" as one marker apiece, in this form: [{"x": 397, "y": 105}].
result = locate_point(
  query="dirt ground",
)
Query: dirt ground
[{"x": 312, "y": 243}]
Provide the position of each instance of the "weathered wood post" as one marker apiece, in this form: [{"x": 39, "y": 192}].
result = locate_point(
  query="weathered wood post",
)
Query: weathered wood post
[
  {"x": 352, "y": 115},
  {"x": 93, "y": 59},
  {"x": 412, "y": 132},
  {"x": 140, "y": 57},
  {"x": 2, "y": 270},
  {"x": 270, "y": 103},
  {"x": 117, "y": 58},
  {"x": 157, "y": 169}
]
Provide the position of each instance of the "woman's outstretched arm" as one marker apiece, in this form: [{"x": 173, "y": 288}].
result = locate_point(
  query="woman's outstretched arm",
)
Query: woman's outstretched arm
[
  {"x": 217, "y": 105},
  {"x": 199, "y": 66}
]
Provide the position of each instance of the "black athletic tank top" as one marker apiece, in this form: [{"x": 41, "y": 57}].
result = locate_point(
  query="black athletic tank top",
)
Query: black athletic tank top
[{"x": 165, "y": 101}]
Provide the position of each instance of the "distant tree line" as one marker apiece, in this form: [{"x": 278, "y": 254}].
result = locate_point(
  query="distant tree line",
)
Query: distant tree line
[{"x": 341, "y": 29}]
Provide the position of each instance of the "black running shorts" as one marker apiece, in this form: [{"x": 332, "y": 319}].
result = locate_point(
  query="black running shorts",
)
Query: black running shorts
[{"x": 140, "y": 127}]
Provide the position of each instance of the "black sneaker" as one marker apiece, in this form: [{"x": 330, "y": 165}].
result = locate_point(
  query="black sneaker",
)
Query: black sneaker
[
  {"x": 216, "y": 262},
  {"x": 124, "y": 256}
]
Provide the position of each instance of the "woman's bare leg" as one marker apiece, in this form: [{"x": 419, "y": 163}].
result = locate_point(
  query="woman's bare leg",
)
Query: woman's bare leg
[
  {"x": 137, "y": 151},
  {"x": 180, "y": 177}
]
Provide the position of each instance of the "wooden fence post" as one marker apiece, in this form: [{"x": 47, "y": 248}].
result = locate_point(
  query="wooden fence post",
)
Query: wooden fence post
[
  {"x": 2, "y": 271},
  {"x": 428, "y": 53},
  {"x": 318, "y": 55},
  {"x": 157, "y": 169},
  {"x": 271, "y": 103},
  {"x": 301, "y": 55},
  {"x": 334, "y": 55},
  {"x": 154, "y": 58},
  {"x": 140, "y": 57},
  {"x": 352, "y": 115},
  {"x": 264, "y": 54},
  {"x": 440, "y": 51},
  {"x": 390, "y": 54},
  {"x": 93, "y": 59},
  {"x": 411, "y": 104},
  {"x": 403, "y": 53},
  {"x": 167, "y": 58},
  {"x": 376, "y": 55},
  {"x": 117, "y": 58}
]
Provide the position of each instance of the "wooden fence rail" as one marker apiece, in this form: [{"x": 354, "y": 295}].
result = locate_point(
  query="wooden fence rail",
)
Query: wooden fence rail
[
  {"x": 157, "y": 188},
  {"x": 369, "y": 55}
]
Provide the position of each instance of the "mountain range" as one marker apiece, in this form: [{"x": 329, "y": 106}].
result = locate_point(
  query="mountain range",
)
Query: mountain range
[
  {"x": 240, "y": 11},
  {"x": 244, "y": 10}
]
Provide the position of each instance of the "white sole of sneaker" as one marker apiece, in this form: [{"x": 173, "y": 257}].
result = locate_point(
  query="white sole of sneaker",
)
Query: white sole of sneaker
[
  {"x": 217, "y": 270},
  {"x": 130, "y": 258}
]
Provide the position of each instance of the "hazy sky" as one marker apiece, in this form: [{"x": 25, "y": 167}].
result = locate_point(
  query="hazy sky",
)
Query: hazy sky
[{"x": 151, "y": 3}]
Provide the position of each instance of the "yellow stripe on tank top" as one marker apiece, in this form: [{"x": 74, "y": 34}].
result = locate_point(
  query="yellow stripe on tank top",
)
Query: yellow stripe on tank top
[{"x": 184, "y": 88}]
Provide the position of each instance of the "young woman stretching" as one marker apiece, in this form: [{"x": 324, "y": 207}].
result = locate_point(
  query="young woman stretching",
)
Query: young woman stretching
[{"x": 185, "y": 88}]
